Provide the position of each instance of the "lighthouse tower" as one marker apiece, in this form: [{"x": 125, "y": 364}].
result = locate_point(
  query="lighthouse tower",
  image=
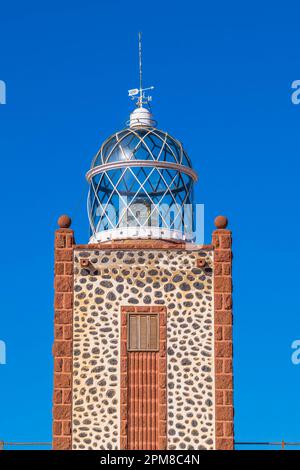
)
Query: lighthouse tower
[{"x": 143, "y": 315}]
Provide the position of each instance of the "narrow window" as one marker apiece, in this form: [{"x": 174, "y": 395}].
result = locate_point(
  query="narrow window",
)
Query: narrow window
[{"x": 143, "y": 332}]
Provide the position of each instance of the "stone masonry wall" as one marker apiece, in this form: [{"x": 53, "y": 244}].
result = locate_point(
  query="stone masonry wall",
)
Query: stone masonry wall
[{"x": 180, "y": 280}]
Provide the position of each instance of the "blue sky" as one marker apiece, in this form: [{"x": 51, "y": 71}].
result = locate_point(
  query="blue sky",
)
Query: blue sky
[{"x": 222, "y": 73}]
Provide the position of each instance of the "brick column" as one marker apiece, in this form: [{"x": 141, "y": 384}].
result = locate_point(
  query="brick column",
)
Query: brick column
[
  {"x": 63, "y": 332},
  {"x": 221, "y": 241}
]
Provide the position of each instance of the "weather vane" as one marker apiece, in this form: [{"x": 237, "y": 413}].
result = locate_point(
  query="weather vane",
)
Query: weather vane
[{"x": 140, "y": 92}]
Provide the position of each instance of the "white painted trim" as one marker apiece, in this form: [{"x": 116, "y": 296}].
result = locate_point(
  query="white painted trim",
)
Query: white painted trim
[{"x": 141, "y": 163}]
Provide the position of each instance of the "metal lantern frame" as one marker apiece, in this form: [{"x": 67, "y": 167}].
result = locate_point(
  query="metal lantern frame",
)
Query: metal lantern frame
[{"x": 142, "y": 167}]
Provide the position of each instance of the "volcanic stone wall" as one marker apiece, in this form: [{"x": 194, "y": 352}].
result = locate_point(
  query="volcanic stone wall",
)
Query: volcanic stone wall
[{"x": 104, "y": 281}]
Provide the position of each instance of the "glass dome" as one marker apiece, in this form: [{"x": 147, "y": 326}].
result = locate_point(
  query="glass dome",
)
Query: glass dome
[
  {"x": 141, "y": 144},
  {"x": 141, "y": 186}
]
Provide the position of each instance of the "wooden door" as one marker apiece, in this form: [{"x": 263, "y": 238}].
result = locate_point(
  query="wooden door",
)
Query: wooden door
[{"x": 144, "y": 381}]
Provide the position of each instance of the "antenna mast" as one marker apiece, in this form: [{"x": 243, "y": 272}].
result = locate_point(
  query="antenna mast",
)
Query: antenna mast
[
  {"x": 140, "y": 92},
  {"x": 140, "y": 101}
]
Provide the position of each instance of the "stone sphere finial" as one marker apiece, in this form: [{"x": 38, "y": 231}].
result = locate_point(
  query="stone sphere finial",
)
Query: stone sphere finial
[
  {"x": 221, "y": 222},
  {"x": 64, "y": 221}
]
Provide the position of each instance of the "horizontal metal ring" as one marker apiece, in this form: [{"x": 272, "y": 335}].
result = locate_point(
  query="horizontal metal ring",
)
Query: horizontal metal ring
[{"x": 141, "y": 163}]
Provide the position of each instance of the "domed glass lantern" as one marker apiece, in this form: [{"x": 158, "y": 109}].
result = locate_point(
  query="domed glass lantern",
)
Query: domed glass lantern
[{"x": 141, "y": 185}]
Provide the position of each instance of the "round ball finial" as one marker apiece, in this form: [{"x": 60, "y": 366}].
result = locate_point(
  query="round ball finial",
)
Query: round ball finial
[
  {"x": 221, "y": 222},
  {"x": 64, "y": 221}
]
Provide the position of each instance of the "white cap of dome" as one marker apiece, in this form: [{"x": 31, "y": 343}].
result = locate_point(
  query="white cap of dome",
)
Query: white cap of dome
[{"x": 141, "y": 117}]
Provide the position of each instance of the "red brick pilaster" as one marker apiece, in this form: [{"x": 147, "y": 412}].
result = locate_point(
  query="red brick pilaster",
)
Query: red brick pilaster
[
  {"x": 63, "y": 335},
  {"x": 223, "y": 335},
  {"x": 161, "y": 396}
]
